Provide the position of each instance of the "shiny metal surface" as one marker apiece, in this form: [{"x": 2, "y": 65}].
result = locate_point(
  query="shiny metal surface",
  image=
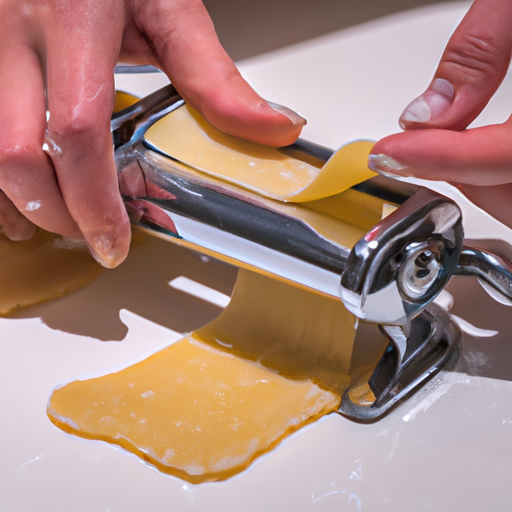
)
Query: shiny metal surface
[
  {"x": 389, "y": 277},
  {"x": 405, "y": 261},
  {"x": 129, "y": 125},
  {"x": 162, "y": 194},
  {"x": 494, "y": 271},
  {"x": 271, "y": 237},
  {"x": 167, "y": 195},
  {"x": 425, "y": 267},
  {"x": 408, "y": 362},
  {"x": 121, "y": 69},
  {"x": 245, "y": 228},
  {"x": 409, "y": 257}
]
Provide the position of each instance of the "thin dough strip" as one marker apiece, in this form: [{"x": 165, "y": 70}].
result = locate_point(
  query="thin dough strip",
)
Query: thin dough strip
[{"x": 185, "y": 136}]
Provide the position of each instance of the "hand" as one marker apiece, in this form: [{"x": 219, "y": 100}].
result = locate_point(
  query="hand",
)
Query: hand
[
  {"x": 436, "y": 144},
  {"x": 66, "y": 51}
]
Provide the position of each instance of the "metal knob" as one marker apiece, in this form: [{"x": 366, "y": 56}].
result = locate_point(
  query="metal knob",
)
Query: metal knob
[{"x": 405, "y": 261}]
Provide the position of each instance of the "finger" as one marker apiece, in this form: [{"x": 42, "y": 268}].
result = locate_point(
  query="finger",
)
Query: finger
[
  {"x": 15, "y": 226},
  {"x": 185, "y": 41},
  {"x": 495, "y": 200},
  {"x": 480, "y": 156},
  {"x": 80, "y": 100},
  {"x": 26, "y": 173},
  {"x": 472, "y": 67}
]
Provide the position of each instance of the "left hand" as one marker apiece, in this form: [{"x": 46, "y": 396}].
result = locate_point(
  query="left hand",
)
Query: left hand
[{"x": 59, "y": 55}]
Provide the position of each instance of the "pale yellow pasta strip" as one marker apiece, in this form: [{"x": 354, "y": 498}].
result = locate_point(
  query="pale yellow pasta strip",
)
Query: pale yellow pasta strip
[
  {"x": 346, "y": 167},
  {"x": 188, "y": 138},
  {"x": 205, "y": 407}
]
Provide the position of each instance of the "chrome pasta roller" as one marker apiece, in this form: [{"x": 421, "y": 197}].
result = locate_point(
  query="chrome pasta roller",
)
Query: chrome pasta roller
[
  {"x": 405, "y": 261},
  {"x": 387, "y": 271},
  {"x": 392, "y": 276}
]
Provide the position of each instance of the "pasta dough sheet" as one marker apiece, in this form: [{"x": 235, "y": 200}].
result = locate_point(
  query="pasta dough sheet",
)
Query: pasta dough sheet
[
  {"x": 185, "y": 136},
  {"x": 191, "y": 410},
  {"x": 41, "y": 269},
  {"x": 300, "y": 333},
  {"x": 198, "y": 409},
  {"x": 124, "y": 100}
]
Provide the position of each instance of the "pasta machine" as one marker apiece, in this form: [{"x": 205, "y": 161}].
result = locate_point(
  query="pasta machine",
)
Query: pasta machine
[{"x": 389, "y": 277}]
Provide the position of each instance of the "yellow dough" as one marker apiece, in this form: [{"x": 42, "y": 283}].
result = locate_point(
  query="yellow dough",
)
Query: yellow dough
[
  {"x": 124, "y": 100},
  {"x": 276, "y": 359},
  {"x": 302, "y": 334},
  {"x": 186, "y": 137},
  {"x": 190, "y": 410},
  {"x": 41, "y": 269},
  {"x": 203, "y": 410}
]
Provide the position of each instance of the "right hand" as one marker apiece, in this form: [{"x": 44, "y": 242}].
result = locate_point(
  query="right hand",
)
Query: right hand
[{"x": 436, "y": 144}]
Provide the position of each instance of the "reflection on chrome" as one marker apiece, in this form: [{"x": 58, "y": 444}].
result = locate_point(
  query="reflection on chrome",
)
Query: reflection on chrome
[{"x": 390, "y": 277}]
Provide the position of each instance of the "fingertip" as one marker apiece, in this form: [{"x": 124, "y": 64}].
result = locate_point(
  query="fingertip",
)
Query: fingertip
[
  {"x": 259, "y": 121},
  {"x": 390, "y": 156},
  {"x": 383, "y": 145},
  {"x": 201, "y": 70},
  {"x": 386, "y": 165},
  {"x": 19, "y": 231},
  {"x": 296, "y": 119},
  {"x": 480, "y": 156},
  {"x": 110, "y": 244},
  {"x": 235, "y": 108},
  {"x": 108, "y": 250},
  {"x": 286, "y": 133}
]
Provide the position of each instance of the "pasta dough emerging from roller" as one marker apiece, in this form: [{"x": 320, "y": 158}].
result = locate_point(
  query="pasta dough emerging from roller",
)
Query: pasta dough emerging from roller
[
  {"x": 190, "y": 409},
  {"x": 201, "y": 411}
]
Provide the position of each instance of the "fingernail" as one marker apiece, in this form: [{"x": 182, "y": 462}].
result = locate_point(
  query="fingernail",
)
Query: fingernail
[
  {"x": 295, "y": 118},
  {"x": 435, "y": 101},
  {"x": 386, "y": 165},
  {"x": 104, "y": 249}
]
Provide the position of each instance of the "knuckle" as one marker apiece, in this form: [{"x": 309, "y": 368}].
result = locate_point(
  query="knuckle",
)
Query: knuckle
[
  {"x": 82, "y": 112},
  {"x": 474, "y": 56},
  {"x": 81, "y": 121},
  {"x": 19, "y": 152}
]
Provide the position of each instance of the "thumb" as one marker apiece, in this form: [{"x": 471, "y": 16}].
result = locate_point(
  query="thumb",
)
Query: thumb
[
  {"x": 471, "y": 69},
  {"x": 190, "y": 53}
]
